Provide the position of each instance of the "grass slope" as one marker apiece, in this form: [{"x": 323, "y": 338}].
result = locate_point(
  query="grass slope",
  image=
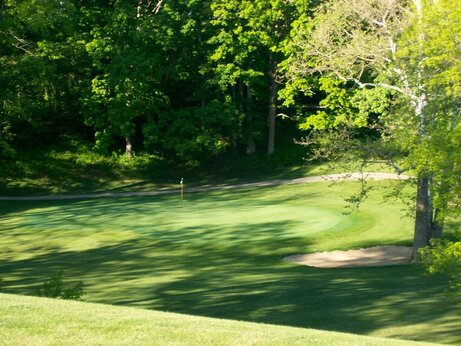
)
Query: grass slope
[
  {"x": 41, "y": 321},
  {"x": 219, "y": 255}
]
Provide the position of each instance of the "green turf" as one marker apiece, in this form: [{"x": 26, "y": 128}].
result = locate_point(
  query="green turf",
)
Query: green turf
[
  {"x": 219, "y": 254},
  {"x": 39, "y": 321}
]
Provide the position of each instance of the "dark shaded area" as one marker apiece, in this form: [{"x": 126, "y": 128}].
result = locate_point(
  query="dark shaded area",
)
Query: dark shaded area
[
  {"x": 73, "y": 169},
  {"x": 235, "y": 283}
]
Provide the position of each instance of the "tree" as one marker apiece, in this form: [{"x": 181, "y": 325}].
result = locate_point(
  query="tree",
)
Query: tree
[
  {"x": 150, "y": 88},
  {"x": 202, "y": 121},
  {"x": 126, "y": 88},
  {"x": 389, "y": 46},
  {"x": 248, "y": 48},
  {"x": 42, "y": 64}
]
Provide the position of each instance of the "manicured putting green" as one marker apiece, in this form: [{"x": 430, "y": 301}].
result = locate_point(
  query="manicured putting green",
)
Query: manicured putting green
[
  {"x": 193, "y": 220},
  {"x": 278, "y": 213}
]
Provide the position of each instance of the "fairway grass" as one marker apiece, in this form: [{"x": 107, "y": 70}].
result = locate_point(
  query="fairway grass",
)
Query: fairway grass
[
  {"x": 220, "y": 254},
  {"x": 41, "y": 321}
]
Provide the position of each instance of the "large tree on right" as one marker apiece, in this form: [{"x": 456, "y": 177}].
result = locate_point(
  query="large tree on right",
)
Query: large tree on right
[{"x": 407, "y": 53}]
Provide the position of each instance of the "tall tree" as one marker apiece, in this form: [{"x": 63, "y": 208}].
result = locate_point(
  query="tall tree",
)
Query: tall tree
[
  {"x": 128, "y": 62},
  {"x": 41, "y": 67},
  {"x": 201, "y": 122},
  {"x": 389, "y": 45},
  {"x": 150, "y": 87},
  {"x": 248, "y": 50}
]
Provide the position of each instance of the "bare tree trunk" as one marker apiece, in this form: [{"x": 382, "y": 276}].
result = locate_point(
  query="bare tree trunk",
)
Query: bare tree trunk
[
  {"x": 128, "y": 147},
  {"x": 272, "y": 107},
  {"x": 436, "y": 226},
  {"x": 241, "y": 86},
  {"x": 423, "y": 217},
  {"x": 251, "y": 146}
]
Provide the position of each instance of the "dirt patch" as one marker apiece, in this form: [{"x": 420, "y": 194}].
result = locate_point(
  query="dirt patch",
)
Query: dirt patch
[{"x": 370, "y": 257}]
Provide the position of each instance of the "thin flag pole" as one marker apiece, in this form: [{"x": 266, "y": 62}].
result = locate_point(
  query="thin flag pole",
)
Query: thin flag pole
[{"x": 181, "y": 183}]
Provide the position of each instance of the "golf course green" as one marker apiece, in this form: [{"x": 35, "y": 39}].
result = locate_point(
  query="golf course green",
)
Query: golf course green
[{"x": 219, "y": 254}]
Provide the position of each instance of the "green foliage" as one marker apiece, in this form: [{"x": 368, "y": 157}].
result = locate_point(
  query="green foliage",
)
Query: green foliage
[
  {"x": 444, "y": 257},
  {"x": 344, "y": 106},
  {"x": 197, "y": 134},
  {"x": 126, "y": 73},
  {"x": 56, "y": 288},
  {"x": 247, "y": 47},
  {"x": 388, "y": 87},
  {"x": 115, "y": 71},
  {"x": 126, "y": 87},
  {"x": 42, "y": 72},
  {"x": 6, "y": 150},
  {"x": 430, "y": 53}
]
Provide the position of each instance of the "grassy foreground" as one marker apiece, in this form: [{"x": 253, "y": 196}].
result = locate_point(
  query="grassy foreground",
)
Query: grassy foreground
[
  {"x": 220, "y": 255},
  {"x": 41, "y": 321}
]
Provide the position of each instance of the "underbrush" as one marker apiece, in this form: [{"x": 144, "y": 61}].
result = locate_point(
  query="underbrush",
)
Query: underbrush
[{"x": 75, "y": 167}]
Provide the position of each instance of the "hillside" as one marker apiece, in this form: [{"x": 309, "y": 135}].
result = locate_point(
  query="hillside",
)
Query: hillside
[{"x": 40, "y": 321}]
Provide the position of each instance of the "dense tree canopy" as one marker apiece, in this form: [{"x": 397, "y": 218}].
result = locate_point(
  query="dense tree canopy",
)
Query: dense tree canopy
[{"x": 184, "y": 79}]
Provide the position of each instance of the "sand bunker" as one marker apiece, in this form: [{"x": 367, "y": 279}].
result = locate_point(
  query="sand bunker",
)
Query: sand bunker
[{"x": 370, "y": 257}]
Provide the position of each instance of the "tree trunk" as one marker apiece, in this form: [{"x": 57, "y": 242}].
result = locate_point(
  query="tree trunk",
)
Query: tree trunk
[
  {"x": 423, "y": 217},
  {"x": 251, "y": 146},
  {"x": 128, "y": 147},
  {"x": 436, "y": 227},
  {"x": 2, "y": 6},
  {"x": 272, "y": 107},
  {"x": 241, "y": 97}
]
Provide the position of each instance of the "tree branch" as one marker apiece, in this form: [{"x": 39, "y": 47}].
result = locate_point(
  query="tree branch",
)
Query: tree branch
[
  {"x": 22, "y": 44},
  {"x": 157, "y": 7},
  {"x": 383, "y": 85},
  {"x": 384, "y": 158}
]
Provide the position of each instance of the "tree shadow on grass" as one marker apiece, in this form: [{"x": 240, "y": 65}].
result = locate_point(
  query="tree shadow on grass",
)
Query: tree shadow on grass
[
  {"x": 245, "y": 279},
  {"x": 217, "y": 269},
  {"x": 236, "y": 196}
]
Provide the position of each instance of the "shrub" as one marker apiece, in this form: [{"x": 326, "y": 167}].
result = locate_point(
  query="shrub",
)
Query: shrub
[
  {"x": 56, "y": 288},
  {"x": 444, "y": 257}
]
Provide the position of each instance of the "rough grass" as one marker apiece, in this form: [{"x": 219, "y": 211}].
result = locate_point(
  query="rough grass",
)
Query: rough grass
[{"x": 39, "y": 321}]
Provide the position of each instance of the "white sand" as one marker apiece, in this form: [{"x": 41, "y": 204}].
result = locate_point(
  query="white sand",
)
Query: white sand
[{"x": 370, "y": 257}]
